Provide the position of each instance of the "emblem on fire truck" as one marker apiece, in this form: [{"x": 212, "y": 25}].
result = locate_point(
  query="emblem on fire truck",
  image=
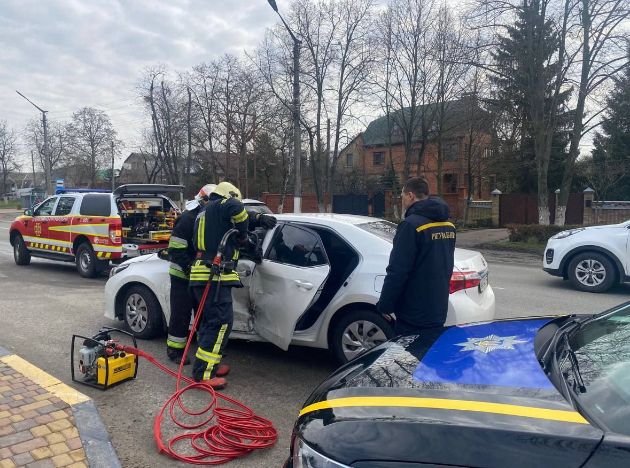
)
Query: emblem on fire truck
[{"x": 38, "y": 229}]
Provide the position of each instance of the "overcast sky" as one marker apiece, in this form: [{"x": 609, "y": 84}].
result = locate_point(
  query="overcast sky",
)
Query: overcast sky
[{"x": 67, "y": 54}]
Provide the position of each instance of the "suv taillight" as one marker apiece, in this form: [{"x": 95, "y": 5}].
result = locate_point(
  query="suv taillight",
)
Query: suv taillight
[
  {"x": 464, "y": 280},
  {"x": 115, "y": 233}
]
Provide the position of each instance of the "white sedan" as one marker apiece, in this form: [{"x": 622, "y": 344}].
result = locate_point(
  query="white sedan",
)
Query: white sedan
[{"x": 317, "y": 285}]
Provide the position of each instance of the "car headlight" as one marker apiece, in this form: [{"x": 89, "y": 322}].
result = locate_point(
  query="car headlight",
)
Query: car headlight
[
  {"x": 305, "y": 457},
  {"x": 117, "y": 269},
  {"x": 570, "y": 232}
]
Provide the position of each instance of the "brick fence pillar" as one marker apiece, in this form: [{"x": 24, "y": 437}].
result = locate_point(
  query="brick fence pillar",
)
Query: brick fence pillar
[
  {"x": 496, "y": 207},
  {"x": 589, "y": 196}
]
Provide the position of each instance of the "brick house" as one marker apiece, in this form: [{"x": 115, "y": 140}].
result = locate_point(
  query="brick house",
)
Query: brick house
[{"x": 368, "y": 163}]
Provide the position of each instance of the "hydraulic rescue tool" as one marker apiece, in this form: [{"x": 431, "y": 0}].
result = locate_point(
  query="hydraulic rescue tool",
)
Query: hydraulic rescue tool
[
  {"x": 223, "y": 432},
  {"x": 101, "y": 363}
]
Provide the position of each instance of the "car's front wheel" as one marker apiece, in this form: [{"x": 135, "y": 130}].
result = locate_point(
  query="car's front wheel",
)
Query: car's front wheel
[
  {"x": 591, "y": 272},
  {"x": 358, "y": 331},
  {"x": 142, "y": 312},
  {"x": 21, "y": 255}
]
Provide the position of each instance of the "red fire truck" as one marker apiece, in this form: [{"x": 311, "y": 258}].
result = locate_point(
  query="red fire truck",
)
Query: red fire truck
[{"x": 92, "y": 228}]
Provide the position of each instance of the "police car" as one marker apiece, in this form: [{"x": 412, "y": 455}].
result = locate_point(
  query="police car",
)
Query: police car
[
  {"x": 540, "y": 392},
  {"x": 92, "y": 227}
]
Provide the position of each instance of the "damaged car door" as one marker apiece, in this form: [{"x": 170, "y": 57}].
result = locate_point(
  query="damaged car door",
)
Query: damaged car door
[{"x": 288, "y": 280}]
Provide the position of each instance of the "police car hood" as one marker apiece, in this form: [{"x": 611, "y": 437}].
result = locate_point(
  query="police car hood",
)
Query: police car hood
[{"x": 422, "y": 397}]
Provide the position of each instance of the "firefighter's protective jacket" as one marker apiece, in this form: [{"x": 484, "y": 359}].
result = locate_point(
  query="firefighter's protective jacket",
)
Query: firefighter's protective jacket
[
  {"x": 220, "y": 215},
  {"x": 181, "y": 250},
  {"x": 416, "y": 287}
]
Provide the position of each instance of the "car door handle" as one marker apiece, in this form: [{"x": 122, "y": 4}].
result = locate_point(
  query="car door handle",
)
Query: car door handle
[
  {"x": 304, "y": 284},
  {"x": 64, "y": 221}
]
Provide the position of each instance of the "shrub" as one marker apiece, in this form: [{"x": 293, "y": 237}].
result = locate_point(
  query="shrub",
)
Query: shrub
[{"x": 534, "y": 233}]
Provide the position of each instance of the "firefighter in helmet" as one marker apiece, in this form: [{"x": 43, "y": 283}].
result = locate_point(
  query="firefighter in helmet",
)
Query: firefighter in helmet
[
  {"x": 181, "y": 253},
  {"x": 224, "y": 211}
]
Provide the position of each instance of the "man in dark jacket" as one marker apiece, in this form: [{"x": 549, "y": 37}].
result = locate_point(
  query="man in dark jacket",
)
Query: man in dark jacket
[{"x": 416, "y": 287}]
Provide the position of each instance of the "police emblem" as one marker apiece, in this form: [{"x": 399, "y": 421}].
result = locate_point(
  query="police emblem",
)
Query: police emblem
[
  {"x": 490, "y": 343},
  {"x": 38, "y": 229}
]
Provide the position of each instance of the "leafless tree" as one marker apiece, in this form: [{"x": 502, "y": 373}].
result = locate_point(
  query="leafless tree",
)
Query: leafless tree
[
  {"x": 58, "y": 145},
  {"x": 8, "y": 154},
  {"x": 90, "y": 135},
  {"x": 602, "y": 51},
  {"x": 411, "y": 85},
  {"x": 167, "y": 107}
]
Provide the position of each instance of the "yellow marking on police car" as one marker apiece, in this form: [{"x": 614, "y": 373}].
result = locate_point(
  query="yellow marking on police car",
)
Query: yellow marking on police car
[
  {"x": 446, "y": 404},
  {"x": 432, "y": 225}
]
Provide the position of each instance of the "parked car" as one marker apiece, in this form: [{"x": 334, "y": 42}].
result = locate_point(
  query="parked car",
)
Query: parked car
[
  {"x": 92, "y": 228},
  {"x": 592, "y": 258},
  {"x": 324, "y": 298},
  {"x": 540, "y": 392}
]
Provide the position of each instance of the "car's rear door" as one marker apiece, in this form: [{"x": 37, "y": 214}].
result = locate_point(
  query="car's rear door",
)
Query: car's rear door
[
  {"x": 287, "y": 282},
  {"x": 60, "y": 225}
]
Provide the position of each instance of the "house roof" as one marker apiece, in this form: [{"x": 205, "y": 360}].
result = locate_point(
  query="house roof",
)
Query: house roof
[{"x": 456, "y": 121}]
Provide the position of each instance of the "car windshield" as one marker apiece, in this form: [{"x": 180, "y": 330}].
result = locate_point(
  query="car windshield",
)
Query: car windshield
[
  {"x": 383, "y": 229},
  {"x": 602, "y": 352}
]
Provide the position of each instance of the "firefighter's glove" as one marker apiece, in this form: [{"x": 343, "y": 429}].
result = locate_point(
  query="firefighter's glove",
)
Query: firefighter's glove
[
  {"x": 163, "y": 254},
  {"x": 241, "y": 240},
  {"x": 266, "y": 221}
]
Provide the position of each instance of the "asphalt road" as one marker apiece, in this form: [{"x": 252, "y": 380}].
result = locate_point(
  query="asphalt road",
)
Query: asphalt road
[{"x": 43, "y": 304}]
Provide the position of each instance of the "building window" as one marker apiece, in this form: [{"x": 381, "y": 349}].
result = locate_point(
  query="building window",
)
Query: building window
[
  {"x": 377, "y": 159},
  {"x": 349, "y": 160},
  {"x": 449, "y": 183},
  {"x": 451, "y": 151}
]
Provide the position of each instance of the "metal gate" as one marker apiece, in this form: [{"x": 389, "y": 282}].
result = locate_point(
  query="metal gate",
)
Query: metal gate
[
  {"x": 350, "y": 204},
  {"x": 378, "y": 205}
]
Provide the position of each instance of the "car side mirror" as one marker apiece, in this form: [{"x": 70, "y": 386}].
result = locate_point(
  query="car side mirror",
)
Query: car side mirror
[{"x": 28, "y": 212}]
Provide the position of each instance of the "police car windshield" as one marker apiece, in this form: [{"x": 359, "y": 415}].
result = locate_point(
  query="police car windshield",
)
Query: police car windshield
[
  {"x": 383, "y": 229},
  {"x": 602, "y": 349}
]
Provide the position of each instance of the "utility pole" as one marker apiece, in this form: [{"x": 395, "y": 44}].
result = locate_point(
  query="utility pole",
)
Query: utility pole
[
  {"x": 297, "y": 143},
  {"x": 34, "y": 183},
  {"x": 47, "y": 169},
  {"x": 113, "y": 177}
]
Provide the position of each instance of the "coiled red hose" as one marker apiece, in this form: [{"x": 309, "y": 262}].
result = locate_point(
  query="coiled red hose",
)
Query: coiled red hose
[{"x": 222, "y": 432}]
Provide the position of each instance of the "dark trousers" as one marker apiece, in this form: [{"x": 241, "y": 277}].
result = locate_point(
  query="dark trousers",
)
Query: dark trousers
[
  {"x": 214, "y": 329},
  {"x": 181, "y": 313},
  {"x": 403, "y": 328}
]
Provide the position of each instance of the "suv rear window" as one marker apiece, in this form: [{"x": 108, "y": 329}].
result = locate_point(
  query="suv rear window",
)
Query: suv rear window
[{"x": 96, "y": 204}]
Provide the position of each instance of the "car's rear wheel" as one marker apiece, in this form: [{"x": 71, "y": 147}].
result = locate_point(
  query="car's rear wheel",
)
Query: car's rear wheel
[
  {"x": 88, "y": 264},
  {"x": 21, "y": 255},
  {"x": 142, "y": 312},
  {"x": 592, "y": 272},
  {"x": 358, "y": 331}
]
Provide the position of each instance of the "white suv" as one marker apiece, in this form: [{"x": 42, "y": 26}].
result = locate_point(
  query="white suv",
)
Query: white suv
[{"x": 593, "y": 258}]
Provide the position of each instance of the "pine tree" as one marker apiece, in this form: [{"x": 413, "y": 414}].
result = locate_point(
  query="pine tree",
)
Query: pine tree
[{"x": 527, "y": 70}]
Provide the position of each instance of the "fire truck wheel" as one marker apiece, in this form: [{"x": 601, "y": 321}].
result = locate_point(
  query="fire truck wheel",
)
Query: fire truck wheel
[
  {"x": 21, "y": 255},
  {"x": 142, "y": 312},
  {"x": 88, "y": 265}
]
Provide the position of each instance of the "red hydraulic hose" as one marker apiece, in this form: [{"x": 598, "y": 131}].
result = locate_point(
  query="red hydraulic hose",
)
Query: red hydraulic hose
[{"x": 223, "y": 432}]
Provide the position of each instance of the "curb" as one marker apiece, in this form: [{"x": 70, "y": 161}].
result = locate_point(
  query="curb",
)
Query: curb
[{"x": 99, "y": 451}]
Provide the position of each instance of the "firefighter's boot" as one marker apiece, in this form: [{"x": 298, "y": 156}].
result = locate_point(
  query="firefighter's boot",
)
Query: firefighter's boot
[
  {"x": 223, "y": 370},
  {"x": 175, "y": 355},
  {"x": 217, "y": 383}
]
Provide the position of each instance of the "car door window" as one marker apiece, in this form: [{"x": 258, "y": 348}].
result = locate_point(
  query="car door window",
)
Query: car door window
[
  {"x": 297, "y": 246},
  {"x": 64, "y": 207},
  {"x": 46, "y": 208}
]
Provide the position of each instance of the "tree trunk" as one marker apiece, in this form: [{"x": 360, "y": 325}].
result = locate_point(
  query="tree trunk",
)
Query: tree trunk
[{"x": 578, "y": 119}]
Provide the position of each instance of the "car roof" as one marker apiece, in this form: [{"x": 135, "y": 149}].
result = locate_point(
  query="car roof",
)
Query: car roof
[
  {"x": 251, "y": 201},
  {"x": 347, "y": 219}
]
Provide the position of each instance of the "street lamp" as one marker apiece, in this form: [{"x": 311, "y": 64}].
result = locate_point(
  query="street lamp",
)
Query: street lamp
[
  {"x": 47, "y": 168},
  {"x": 297, "y": 146}
]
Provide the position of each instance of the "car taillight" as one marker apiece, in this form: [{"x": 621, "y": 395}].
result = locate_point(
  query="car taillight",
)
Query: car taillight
[
  {"x": 115, "y": 233},
  {"x": 464, "y": 280}
]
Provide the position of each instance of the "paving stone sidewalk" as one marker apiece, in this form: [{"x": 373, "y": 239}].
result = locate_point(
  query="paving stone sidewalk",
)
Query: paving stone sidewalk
[{"x": 45, "y": 423}]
